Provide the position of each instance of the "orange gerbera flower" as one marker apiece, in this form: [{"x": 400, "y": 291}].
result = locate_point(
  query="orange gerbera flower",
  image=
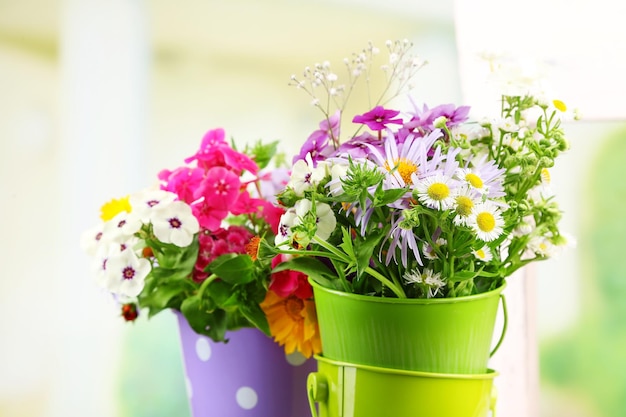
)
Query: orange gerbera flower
[{"x": 293, "y": 323}]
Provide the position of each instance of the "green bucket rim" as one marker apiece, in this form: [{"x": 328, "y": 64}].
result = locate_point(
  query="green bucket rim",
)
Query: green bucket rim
[
  {"x": 387, "y": 300},
  {"x": 490, "y": 374}
]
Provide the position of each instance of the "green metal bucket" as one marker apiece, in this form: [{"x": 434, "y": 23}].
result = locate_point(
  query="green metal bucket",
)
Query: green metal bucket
[
  {"x": 341, "y": 389},
  {"x": 443, "y": 335}
]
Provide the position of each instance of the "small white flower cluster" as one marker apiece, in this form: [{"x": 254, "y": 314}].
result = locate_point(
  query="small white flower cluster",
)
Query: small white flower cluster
[
  {"x": 399, "y": 70},
  {"x": 120, "y": 264}
]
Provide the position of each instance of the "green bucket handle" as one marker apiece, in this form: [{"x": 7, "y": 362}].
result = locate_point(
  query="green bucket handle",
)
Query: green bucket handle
[
  {"x": 317, "y": 390},
  {"x": 504, "y": 325}
]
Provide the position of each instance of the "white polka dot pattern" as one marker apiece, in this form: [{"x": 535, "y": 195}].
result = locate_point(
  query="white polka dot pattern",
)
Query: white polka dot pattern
[
  {"x": 246, "y": 398},
  {"x": 295, "y": 359},
  {"x": 203, "y": 349},
  {"x": 189, "y": 388}
]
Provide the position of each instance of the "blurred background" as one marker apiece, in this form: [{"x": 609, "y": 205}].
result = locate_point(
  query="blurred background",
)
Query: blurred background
[{"x": 97, "y": 97}]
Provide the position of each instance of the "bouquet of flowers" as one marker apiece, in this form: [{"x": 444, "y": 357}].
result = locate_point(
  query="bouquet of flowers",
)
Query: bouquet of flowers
[
  {"x": 419, "y": 203},
  {"x": 186, "y": 245}
]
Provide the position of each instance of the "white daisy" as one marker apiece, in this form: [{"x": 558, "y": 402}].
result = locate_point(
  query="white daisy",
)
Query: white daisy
[
  {"x": 436, "y": 191},
  {"x": 175, "y": 223},
  {"x": 434, "y": 281},
  {"x": 464, "y": 202},
  {"x": 486, "y": 221},
  {"x": 483, "y": 254},
  {"x": 429, "y": 251}
]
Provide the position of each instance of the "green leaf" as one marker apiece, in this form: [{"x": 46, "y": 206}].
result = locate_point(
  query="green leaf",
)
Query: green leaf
[
  {"x": 234, "y": 269},
  {"x": 463, "y": 276},
  {"x": 389, "y": 196},
  {"x": 204, "y": 320},
  {"x": 256, "y": 316},
  {"x": 365, "y": 249},
  {"x": 223, "y": 294},
  {"x": 310, "y": 266},
  {"x": 161, "y": 297},
  {"x": 262, "y": 153}
]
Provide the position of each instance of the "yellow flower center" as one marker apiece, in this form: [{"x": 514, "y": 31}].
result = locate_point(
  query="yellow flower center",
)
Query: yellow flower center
[
  {"x": 464, "y": 205},
  {"x": 438, "y": 191},
  {"x": 474, "y": 180},
  {"x": 481, "y": 254},
  {"x": 405, "y": 168},
  {"x": 293, "y": 307},
  {"x": 485, "y": 221},
  {"x": 559, "y": 105},
  {"x": 545, "y": 175}
]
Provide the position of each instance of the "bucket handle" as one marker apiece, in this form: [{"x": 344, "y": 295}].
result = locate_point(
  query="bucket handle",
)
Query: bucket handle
[
  {"x": 504, "y": 326},
  {"x": 493, "y": 400},
  {"x": 317, "y": 390}
]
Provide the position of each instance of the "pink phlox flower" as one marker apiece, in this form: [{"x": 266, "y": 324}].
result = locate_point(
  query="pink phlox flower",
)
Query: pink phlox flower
[
  {"x": 378, "y": 118},
  {"x": 182, "y": 181},
  {"x": 217, "y": 243},
  {"x": 212, "y": 139},
  {"x": 260, "y": 208},
  {"x": 219, "y": 188},
  {"x": 271, "y": 214},
  {"x": 215, "y": 151},
  {"x": 286, "y": 283},
  {"x": 246, "y": 204},
  {"x": 317, "y": 145},
  {"x": 209, "y": 218}
]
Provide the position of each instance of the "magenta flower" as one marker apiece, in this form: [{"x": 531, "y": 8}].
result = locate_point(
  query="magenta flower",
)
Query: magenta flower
[
  {"x": 182, "y": 181},
  {"x": 220, "y": 188},
  {"x": 359, "y": 146},
  {"x": 216, "y": 243},
  {"x": 378, "y": 118},
  {"x": 246, "y": 204},
  {"x": 317, "y": 144},
  {"x": 424, "y": 118},
  {"x": 215, "y": 152},
  {"x": 208, "y": 217}
]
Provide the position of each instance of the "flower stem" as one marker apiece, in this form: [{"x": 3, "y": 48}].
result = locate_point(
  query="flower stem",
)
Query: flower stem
[{"x": 397, "y": 289}]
